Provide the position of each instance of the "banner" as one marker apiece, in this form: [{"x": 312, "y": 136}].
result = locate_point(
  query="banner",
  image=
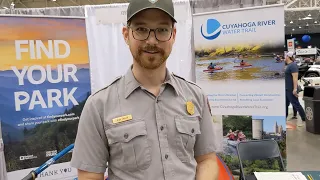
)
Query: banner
[
  {"x": 240, "y": 65},
  {"x": 306, "y": 51},
  {"x": 110, "y": 55},
  {"x": 290, "y": 45},
  {"x": 45, "y": 82}
]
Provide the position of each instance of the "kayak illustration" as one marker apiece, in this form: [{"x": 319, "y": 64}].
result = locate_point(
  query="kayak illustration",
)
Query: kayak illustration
[{"x": 211, "y": 70}]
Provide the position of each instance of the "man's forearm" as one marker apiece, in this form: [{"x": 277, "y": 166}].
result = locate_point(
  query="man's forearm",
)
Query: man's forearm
[
  {"x": 295, "y": 84},
  {"x": 207, "y": 170},
  {"x": 83, "y": 175},
  {"x": 295, "y": 81}
]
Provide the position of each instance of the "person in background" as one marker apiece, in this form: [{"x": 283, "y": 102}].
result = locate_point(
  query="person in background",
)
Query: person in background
[
  {"x": 231, "y": 135},
  {"x": 295, "y": 113},
  {"x": 148, "y": 124},
  {"x": 241, "y": 136},
  {"x": 278, "y": 59},
  {"x": 291, "y": 86},
  {"x": 211, "y": 66}
]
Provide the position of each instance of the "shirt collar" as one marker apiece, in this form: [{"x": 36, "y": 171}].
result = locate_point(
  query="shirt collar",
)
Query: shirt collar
[{"x": 131, "y": 84}]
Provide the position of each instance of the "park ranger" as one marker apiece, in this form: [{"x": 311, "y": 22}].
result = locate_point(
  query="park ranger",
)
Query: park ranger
[{"x": 148, "y": 124}]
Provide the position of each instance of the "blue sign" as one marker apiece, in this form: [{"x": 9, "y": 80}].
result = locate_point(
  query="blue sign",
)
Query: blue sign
[
  {"x": 215, "y": 28},
  {"x": 212, "y": 26}
]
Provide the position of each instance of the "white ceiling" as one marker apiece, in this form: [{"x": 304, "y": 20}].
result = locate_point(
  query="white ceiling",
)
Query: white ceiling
[{"x": 301, "y": 16}]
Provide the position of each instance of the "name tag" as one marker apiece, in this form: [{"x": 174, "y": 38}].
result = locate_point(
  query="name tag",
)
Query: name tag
[{"x": 121, "y": 119}]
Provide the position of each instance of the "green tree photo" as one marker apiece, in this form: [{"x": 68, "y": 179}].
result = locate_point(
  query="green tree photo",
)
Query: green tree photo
[
  {"x": 242, "y": 123},
  {"x": 45, "y": 137}
]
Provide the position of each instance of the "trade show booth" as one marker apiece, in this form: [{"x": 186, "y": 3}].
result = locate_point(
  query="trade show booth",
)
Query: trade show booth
[{"x": 49, "y": 70}]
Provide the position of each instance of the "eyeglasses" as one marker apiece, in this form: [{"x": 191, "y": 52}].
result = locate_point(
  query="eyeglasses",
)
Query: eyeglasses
[{"x": 143, "y": 33}]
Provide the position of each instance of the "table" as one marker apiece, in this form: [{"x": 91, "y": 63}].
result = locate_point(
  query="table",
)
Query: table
[{"x": 314, "y": 174}]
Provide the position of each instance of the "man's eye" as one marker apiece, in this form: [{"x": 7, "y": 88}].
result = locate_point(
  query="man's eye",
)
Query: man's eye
[
  {"x": 142, "y": 29},
  {"x": 162, "y": 30}
]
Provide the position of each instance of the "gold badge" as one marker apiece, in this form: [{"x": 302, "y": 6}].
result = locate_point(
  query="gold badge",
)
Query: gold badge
[
  {"x": 121, "y": 119},
  {"x": 190, "y": 107}
]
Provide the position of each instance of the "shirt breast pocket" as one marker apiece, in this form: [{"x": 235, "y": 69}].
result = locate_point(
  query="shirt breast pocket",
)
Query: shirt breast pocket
[
  {"x": 187, "y": 129},
  {"x": 129, "y": 147}
]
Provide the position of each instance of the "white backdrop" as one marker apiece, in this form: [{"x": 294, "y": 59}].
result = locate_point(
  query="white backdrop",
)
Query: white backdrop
[{"x": 109, "y": 54}]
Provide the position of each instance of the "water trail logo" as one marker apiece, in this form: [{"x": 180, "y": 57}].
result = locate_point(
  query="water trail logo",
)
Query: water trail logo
[{"x": 213, "y": 29}]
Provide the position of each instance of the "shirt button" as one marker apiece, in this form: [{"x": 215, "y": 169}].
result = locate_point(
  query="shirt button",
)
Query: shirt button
[
  {"x": 192, "y": 130},
  {"x": 161, "y": 128},
  {"x": 126, "y": 135},
  {"x": 166, "y": 156}
]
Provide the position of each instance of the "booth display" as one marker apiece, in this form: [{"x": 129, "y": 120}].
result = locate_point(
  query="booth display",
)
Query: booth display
[
  {"x": 46, "y": 78},
  {"x": 45, "y": 81},
  {"x": 248, "y": 91},
  {"x": 308, "y": 62}
]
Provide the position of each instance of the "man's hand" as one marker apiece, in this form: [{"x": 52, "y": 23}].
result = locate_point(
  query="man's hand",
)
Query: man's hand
[
  {"x": 207, "y": 168},
  {"x": 84, "y": 175},
  {"x": 295, "y": 93}
]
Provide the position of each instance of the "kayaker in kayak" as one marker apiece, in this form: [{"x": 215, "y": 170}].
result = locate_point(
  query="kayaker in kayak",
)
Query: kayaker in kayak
[
  {"x": 242, "y": 63},
  {"x": 211, "y": 66}
]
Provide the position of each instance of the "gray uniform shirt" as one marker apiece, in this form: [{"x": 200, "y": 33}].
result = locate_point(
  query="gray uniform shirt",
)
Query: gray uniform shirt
[{"x": 141, "y": 136}]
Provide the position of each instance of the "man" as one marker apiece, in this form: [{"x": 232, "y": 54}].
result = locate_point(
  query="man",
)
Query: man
[
  {"x": 291, "y": 78},
  {"x": 148, "y": 124}
]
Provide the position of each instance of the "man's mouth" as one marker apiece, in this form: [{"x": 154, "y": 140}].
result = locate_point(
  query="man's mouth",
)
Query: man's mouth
[{"x": 151, "y": 52}]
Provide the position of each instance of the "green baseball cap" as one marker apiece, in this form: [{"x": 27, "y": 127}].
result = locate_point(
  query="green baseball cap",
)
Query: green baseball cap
[{"x": 136, "y": 6}]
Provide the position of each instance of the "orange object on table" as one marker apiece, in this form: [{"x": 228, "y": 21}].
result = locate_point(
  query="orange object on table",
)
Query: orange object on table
[{"x": 224, "y": 171}]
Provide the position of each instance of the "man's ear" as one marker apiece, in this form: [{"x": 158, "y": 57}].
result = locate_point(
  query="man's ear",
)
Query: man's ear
[
  {"x": 174, "y": 32},
  {"x": 125, "y": 33}
]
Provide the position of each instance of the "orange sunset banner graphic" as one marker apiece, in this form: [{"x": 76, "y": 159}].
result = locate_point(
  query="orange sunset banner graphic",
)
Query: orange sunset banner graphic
[{"x": 44, "y": 84}]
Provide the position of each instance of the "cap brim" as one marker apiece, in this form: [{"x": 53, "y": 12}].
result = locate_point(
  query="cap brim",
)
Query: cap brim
[{"x": 151, "y": 8}]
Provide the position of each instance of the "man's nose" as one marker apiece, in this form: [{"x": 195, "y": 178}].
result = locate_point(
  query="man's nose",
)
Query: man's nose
[{"x": 152, "y": 38}]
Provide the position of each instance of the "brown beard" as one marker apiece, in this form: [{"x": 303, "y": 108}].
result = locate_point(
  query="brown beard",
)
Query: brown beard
[{"x": 151, "y": 62}]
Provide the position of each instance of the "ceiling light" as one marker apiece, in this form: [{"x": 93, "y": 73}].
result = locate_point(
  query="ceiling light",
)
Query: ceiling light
[
  {"x": 309, "y": 15},
  {"x": 292, "y": 29},
  {"x": 307, "y": 25},
  {"x": 316, "y": 22},
  {"x": 291, "y": 22},
  {"x": 307, "y": 18},
  {"x": 284, "y": 24},
  {"x": 300, "y": 27}
]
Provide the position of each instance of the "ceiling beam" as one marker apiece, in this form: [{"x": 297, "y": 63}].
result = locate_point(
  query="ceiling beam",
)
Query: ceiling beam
[
  {"x": 290, "y": 3},
  {"x": 302, "y": 9}
]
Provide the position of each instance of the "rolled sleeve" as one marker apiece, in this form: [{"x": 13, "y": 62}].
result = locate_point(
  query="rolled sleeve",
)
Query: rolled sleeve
[
  {"x": 90, "y": 151},
  {"x": 205, "y": 142}
]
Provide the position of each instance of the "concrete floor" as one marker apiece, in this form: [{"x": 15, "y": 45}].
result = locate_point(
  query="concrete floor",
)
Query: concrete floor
[{"x": 303, "y": 148}]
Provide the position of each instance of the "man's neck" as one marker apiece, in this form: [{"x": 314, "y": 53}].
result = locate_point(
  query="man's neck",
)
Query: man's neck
[
  {"x": 149, "y": 78},
  {"x": 289, "y": 62}
]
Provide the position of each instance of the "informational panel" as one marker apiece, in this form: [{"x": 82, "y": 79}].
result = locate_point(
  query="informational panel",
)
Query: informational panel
[
  {"x": 44, "y": 84},
  {"x": 240, "y": 66}
]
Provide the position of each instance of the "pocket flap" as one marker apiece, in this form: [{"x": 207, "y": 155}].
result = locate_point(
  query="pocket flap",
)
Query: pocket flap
[
  {"x": 188, "y": 125},
  {"x": 125, "y": 133}
]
